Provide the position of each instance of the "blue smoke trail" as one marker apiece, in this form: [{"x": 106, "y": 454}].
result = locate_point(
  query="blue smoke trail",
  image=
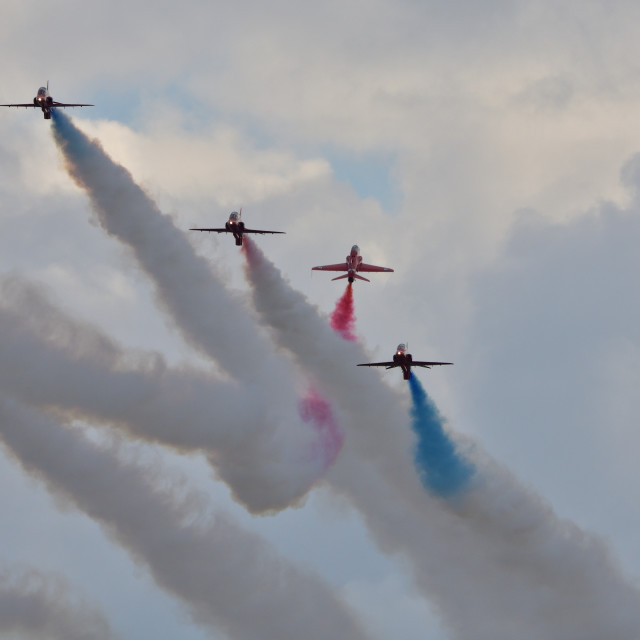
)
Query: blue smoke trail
[{"x": 442, "y": 469}]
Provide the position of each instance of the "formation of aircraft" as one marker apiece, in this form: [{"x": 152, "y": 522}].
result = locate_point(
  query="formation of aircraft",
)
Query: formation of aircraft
[
  {"x": 235, "y": 226},
  {"x": 352, "y": 266},
  {"x": 405, "y": 361},
  {"x": 45, "y": 102},
  {"x": 353, "y": 263}
]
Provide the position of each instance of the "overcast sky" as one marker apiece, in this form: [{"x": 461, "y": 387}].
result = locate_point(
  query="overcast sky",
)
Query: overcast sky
[{"x": 488, "y": 152}]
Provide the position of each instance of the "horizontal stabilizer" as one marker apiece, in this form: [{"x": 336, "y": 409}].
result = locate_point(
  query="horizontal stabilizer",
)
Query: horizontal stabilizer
[{"x": 346, "y": 275}]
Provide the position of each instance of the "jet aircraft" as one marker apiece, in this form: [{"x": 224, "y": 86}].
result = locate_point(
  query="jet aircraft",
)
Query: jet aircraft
[
  {"x": 352, "y": 265},
  {"x": 236, "y": 226},
  {"x": 403, "y": 360},
  {"x": 45, "y": 102}
]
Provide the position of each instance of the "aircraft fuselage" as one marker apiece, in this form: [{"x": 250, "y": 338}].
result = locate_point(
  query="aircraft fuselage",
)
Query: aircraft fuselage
[
  {"x": 354, "y": 260},
  {"x": 44, "y": 101},
  {"x": 235, "y": 226},
  {"x": 403, "y": 360}
]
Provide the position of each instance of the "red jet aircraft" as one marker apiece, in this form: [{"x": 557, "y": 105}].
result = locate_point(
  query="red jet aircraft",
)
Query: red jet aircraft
[
  {"x": 236, "y": 226},
  {"x": 404, "y": 360},
  {"x": 351, "y": 266},
  {"x": 45, "y": 102}
]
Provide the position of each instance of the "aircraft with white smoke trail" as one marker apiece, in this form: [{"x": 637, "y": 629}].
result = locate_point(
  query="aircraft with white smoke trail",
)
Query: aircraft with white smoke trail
[
  {"x": 235, "y": 225},
  {"x": 352, "y": 265},
  {"x": 44, "y": 101},
  {"x": 405, "y": 361}
]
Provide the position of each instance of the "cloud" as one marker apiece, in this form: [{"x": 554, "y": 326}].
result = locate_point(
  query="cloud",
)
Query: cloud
[
  {"x": 219, "y": 160},
  {"x": 485, "y": 112},
  {"x": 43, "y": 606},
  {"x": 556, "y": 306}
]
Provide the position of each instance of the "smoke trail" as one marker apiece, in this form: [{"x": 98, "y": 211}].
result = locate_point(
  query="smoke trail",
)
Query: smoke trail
[
  {"x": 317, "y": 410},
  {"x": 211, "y": 319},
  {"x": 343, "y": 319},
  {"x": 441, "y": 468},
  {"x": 497, "y": 564},
  {"x": 50, "y": 360},
  {"x": 230, "y": 579},
  {"x": 208, "y": 316},
  {"x": 482, "y": 566},
  {"x": 42, "y": 606}
]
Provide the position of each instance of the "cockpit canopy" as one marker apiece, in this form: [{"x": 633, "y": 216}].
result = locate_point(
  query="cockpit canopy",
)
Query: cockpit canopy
[
  {"x": 402, "y": 347},
  {"x": 234, "y": 215},
  {"x": 42, "y": 91},
  {"x": 355, "y": 249}
]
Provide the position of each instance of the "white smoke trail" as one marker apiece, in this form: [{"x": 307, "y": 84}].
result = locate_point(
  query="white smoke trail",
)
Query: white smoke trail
[
  {"x": 41, "y": 606},
  {"x": 194, "y": 298},
  {"x": 51, "y": 360},
  {"x": 208, "y": 316},
  {"x": 498, "y": 562},
  {"x": 230, "y": 579}
]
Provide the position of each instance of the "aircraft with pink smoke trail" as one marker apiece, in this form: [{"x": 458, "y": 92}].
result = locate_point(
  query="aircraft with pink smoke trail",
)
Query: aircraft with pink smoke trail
[
  {"x": 352, "y": 266},
  {"x": 405, "y": 361},
  {"x": 44, "y": 101},
  {"x": 235, "y": 226}
]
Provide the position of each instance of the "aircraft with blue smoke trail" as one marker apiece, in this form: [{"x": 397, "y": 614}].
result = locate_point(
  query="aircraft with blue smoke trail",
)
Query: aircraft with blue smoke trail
[
  {"x": 235, "y": 226},
  {"x": 405, "y": 361},
  {"x": 45, "y": 102},
  {"x": 352, "y": 266}
]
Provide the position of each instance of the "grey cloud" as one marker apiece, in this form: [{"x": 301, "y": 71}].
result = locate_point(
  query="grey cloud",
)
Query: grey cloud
[
  {"x": 549, "y": 93},
  {"x": 39, "y": 605}
]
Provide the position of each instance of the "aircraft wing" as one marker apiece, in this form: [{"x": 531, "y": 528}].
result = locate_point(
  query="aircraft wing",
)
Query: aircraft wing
[
  {"x": 427, "y": 365},
  {"x": 69, "y": 104},
  {"x": 388, "y": 365},
  {"x": 28, "y": 104},
  {"x": 261, "y": 231},
  {"x": 223, "y": 230},
  {"x": 341, "y": 266},
  {"x": 372, "y": 267}
]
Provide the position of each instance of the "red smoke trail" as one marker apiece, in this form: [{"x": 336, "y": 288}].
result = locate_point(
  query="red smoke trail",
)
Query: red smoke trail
[
  {"x": 316, "y": 410},
  {"x": 343, "y": 319}
]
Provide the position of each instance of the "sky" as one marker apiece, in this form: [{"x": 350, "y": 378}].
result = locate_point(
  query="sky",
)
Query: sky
[{"x": 188, "y": 450}]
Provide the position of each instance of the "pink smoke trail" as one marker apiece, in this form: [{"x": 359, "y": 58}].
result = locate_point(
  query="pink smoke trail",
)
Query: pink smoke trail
[
  {"x": 343, "y": 319},
  {"x": 316, "y": 410}
]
